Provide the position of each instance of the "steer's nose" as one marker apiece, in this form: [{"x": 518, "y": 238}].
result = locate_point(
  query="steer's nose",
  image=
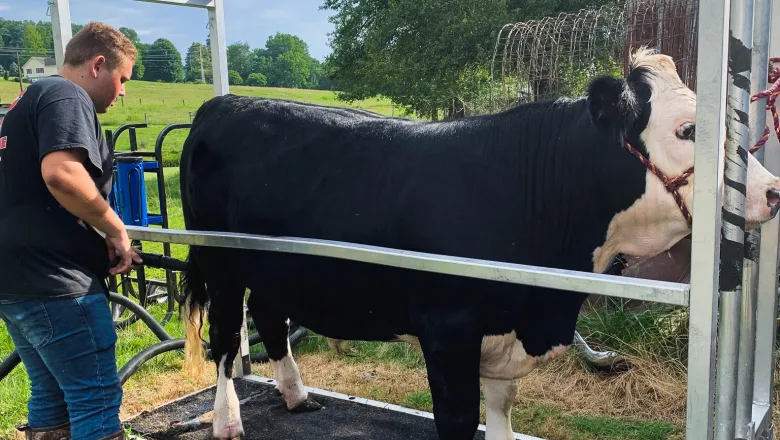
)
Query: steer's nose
[{"x": 773, "y": 200}]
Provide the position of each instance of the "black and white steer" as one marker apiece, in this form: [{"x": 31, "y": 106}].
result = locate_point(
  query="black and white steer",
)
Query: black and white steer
[{"x": 549, "y": 184}]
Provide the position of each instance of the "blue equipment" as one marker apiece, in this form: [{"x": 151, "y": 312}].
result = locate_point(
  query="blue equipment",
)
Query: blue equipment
[{"x": 128, "y": 199}]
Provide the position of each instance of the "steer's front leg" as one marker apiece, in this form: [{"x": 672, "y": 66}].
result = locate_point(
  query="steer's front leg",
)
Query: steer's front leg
[
  {"x": 499, "y": 398},
  {"x": 453, "y": 375}
]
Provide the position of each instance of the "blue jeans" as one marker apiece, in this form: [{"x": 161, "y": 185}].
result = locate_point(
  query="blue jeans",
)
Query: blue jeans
[{"x": 68, "y": 349}]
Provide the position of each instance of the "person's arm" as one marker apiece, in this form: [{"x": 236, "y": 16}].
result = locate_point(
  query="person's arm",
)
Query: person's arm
[
  {"x": 69, "y": 151},
  {"x": 70, "y": 183}
]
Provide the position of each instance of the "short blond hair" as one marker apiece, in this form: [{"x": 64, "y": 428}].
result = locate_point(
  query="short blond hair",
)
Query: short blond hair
[{"x": 97, "y": 38}]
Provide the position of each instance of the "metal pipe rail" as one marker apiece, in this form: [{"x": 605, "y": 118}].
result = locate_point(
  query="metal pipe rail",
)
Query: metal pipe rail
[{"x": 575, "y": 281}]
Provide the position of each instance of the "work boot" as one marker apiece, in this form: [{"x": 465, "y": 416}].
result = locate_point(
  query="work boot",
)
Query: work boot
[
  {"x": 118, "y": 436},
  {"x": 61, "y": 432}
]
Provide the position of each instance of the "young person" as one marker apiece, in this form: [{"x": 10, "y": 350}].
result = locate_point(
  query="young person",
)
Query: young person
[{"x": 55, "y": 177}]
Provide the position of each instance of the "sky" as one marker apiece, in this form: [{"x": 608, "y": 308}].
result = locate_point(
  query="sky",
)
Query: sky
[{"x": 250, "y": 21}]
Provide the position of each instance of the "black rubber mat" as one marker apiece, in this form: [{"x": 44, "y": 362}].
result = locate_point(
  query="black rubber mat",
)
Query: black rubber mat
[{"x": 265, "y": 417}]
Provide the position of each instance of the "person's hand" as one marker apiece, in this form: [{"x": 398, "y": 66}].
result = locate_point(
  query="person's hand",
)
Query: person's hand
[{"x": 119, "y": 248}]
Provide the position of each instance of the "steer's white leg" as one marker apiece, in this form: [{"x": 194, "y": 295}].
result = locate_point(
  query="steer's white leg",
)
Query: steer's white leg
[
  {"x": 499, "y": 398},
  {"x": 227, "y": 416},
  {"x": 289, "y": 382}
]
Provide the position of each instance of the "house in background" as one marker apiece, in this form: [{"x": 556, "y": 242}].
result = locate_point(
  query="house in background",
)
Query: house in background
[{"x": 39, "y": 67}]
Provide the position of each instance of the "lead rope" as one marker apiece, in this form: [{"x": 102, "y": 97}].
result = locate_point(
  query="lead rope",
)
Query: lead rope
[
  {"x": 771, "y": 95},
  {"x": 673, "y": 185}
]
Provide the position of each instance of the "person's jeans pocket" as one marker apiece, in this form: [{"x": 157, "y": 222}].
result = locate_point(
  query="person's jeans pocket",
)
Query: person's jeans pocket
[{"x": 31, "y": 318}]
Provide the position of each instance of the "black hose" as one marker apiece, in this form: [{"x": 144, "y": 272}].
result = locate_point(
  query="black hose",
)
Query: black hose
[
  {"x": 295, "y": 338},
  {"x": 159, "y": 348},
  {"x": 157, "y": 261},
  {"x": 9, "y": 364},
  {"x": 145, "y": 316},
  {"x": 178, "y": 344}
]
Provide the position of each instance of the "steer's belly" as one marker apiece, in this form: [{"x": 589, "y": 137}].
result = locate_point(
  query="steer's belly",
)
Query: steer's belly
[{"x": 505, "y": 358}]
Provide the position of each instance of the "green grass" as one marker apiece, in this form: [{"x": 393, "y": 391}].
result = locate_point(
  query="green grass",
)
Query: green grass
[{"x": 161, "y": 104}]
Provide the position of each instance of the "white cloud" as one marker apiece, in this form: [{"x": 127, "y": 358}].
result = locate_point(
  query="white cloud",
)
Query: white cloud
[{"x": 4, "y": 7}]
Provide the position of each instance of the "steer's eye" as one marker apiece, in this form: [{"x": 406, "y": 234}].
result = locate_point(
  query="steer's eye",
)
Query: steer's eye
[{"x": 687, "y": 131}]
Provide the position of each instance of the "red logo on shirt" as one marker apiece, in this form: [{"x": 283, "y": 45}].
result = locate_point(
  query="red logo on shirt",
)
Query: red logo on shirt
[{"x": 3, "y": 141}]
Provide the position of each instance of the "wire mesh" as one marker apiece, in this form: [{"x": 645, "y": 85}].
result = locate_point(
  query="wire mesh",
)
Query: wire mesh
[{"x": 557, "y": 56}]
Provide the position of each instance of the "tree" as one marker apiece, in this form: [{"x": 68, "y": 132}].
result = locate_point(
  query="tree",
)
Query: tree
[
  {"x": 47, "y": 35},
  {"x": 33, "y": 44},
  {"x": 13, "y": 70},
  {"x": 131, "y": 35},
  {"x": 234, "y": 78},
  {"x": 256, "y": 80},
  {"x": 162, "y": 62},
  {"x": 239, "y": 58},
  {"x": 285, "y": 61},
  {"x": 139, "y": 68},
  {"x": 422, "y": 54},
  {"x": 192, "y": 72},
  {"x": 291, "y": 69}
]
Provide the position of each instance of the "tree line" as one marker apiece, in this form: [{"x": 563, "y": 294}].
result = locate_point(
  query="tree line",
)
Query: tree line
[
  {"x": 283, "y": 62},
  {"x": 426, "y": 56}
]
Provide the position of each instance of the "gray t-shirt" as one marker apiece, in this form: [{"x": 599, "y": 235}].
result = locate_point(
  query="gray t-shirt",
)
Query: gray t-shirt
[{"x": 45, "y": 251}]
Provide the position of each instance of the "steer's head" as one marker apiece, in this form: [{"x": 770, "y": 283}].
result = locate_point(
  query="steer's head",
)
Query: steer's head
[{"x": 656, "y": 113}]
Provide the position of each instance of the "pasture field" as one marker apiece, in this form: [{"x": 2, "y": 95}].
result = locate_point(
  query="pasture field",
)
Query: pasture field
[
  {"x": 559, "y": 401},
  {"x": 161, "y": 104}
]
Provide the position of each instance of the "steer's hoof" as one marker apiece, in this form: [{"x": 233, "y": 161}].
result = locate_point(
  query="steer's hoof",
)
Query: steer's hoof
[
  {"x": 234, "y": 431},
  {"x": 307, "y": 405}
]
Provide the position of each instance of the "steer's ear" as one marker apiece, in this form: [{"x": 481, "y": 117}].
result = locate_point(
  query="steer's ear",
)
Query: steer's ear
[{"x": 606, "y": 99}]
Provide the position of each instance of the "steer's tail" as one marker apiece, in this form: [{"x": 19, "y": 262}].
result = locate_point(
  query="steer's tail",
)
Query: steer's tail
[{"x": 195, "y": 296}]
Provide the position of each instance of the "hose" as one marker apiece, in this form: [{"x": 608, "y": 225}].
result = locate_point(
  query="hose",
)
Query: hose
[
  {"x": 9, "y": 364},
  {"x": 159, "y": 348},
  {"x": 145, "y": 316},
  {"x": 178, "y": 344}
]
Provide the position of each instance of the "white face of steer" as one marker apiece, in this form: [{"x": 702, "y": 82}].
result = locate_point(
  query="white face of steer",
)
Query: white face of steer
[{"x": 654, "y": 223}]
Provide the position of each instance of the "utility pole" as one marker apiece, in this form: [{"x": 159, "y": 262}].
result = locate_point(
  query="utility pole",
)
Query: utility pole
[
  {"x": 19, "y": 71},
  {"x": 202, "y": 74}
]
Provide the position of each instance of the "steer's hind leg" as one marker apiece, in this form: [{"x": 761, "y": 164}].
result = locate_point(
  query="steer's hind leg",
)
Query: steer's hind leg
[
  {"x": 452, "y": 362},
  {"x": 225, "y": 319},
  {"x": 273, "y": 328},
  {"x": 499, "y": 398}
]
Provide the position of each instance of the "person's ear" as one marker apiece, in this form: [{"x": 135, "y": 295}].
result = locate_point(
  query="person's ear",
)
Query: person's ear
[{"x": 98, "y": 64}]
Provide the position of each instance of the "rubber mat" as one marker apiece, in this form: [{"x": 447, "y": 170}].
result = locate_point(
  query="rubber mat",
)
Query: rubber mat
[{"x": 265, "y": 416}]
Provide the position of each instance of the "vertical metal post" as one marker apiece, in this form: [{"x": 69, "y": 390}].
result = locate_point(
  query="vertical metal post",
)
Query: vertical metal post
[
  {"x": 733, "y": 240},
  {"x": 218, "y": 48},
  {"x": 705, "y": 241},
  {"x": 745, "y": 425},
  {"x": 767, "y": 20},
  {"x": 61, "y": 29}
]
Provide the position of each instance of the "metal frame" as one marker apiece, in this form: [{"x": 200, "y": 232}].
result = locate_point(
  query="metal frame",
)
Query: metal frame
[
  {"x": 61, "y": 29},
  {"x": 752, "y": 314}
]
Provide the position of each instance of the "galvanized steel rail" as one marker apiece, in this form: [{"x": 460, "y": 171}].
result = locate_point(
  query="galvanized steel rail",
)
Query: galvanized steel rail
[{"x": 609, "y": 285}]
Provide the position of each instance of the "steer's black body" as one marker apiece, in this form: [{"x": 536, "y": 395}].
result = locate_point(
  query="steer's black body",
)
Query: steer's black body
[{"x": 537, "y": 184}]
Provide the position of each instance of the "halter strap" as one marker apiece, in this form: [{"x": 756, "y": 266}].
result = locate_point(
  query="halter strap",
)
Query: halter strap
[{"x": 671, "y": 185}]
